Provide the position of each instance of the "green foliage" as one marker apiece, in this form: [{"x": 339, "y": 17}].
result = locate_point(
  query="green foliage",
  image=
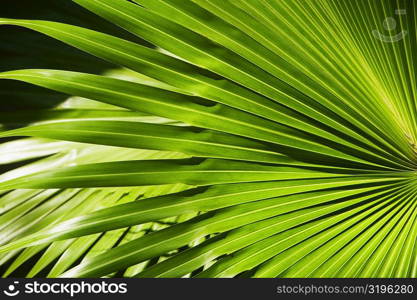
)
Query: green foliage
[{"x": 220, "y": 138}]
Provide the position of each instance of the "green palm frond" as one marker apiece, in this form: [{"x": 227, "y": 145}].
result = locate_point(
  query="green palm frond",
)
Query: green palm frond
[{"x": 253, "y": 138}]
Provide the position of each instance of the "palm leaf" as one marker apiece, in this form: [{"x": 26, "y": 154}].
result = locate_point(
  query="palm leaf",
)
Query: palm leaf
[{"x": 212, "y": 139}]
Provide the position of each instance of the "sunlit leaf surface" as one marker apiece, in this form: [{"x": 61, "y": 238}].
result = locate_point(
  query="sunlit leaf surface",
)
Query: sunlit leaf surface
[{"x": 220, "y": 138}]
